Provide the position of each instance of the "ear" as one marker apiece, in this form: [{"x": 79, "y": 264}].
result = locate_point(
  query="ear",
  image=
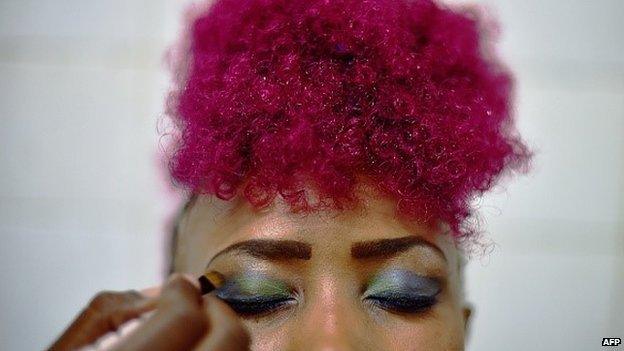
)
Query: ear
[{"x": 467, "y": 312}]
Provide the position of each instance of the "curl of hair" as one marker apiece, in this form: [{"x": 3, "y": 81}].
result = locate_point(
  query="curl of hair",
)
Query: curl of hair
[{"x": 275, "y": 97}]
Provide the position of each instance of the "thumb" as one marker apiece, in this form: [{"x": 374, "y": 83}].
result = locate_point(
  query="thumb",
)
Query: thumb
[{"x": 225, "y": 329}]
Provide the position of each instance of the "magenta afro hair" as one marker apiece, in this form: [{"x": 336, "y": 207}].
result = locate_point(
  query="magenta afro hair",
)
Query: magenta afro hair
[{"x": 281, "y": 96}]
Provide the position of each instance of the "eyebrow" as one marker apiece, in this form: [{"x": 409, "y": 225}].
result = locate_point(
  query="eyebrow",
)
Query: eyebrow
[
  {"x": 269, "y": 249},
  {"x": 390, "y": 247}
]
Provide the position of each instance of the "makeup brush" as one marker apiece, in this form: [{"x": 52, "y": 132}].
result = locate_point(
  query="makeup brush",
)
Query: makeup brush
[{"x": 209, "y": 281}]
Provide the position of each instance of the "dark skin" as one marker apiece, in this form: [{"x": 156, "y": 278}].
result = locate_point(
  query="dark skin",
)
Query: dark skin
[
  {"x": 184, "y": 320},
  {"x": 337, "y": 277}
]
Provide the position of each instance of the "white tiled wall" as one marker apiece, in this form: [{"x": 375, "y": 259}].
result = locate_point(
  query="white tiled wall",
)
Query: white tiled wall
[
  {"x": 81, "y": 202},
  {"x": 82, "y": 205},
  {"x": 555, "y": 278}
]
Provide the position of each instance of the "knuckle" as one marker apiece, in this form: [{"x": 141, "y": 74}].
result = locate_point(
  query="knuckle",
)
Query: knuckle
[
  {"x": 186, "y": 313},
  {"x": 105, "y": 300},
  {"x": 178, "y": 281},
  {"x": 116, "y": 319},
  {"x": 102, "y": 300},
  {"x": 109, "y": 308},
  {"x": 131, "y": 294},
  {"x": 187, "y": 316},
  {"x": 180, "y": 291}
]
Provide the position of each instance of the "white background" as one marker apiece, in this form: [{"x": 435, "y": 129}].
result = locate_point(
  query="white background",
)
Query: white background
[{"x": 82, "y": 203}]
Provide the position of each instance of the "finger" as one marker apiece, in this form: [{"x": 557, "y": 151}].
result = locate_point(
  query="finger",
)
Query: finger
[
  {"x": 151, "y": 292},
  {"x": 155, "y": 291},
  {"x": 225, "y": 330},
  {"x": 106, "y": 312},
  {"x": 177, "y": 324}
]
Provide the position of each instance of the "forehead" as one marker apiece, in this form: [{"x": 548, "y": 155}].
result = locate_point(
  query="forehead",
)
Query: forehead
[{"x": 211, "y": 225}]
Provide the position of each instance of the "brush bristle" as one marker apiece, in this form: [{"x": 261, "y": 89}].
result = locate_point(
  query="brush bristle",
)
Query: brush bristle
[{"x": 209, "y": 281}]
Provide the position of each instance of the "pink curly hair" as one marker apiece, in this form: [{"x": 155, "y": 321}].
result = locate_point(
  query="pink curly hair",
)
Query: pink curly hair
[{"x": 285, "y": 96}]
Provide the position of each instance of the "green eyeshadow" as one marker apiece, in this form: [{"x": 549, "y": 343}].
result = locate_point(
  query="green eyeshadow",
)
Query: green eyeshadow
[
  {"x": 400, "y": 282},
  {"x": 253, "y": 285}
]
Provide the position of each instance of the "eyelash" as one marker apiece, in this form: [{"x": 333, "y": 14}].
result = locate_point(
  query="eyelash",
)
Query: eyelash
[
  {"x": 403, "y": 303},
  {"x": 258, "y": 306}
]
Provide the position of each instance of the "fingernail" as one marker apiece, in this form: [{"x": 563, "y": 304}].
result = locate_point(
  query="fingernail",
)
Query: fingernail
[
  {"x": 153, "y": 291},
  {"x": 191, "y": 279}
]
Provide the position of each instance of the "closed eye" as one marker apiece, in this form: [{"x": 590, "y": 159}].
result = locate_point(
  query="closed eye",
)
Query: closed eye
[
  {"x": 404, "y": 303},
  {"x": 400, "y": 290},
  {"x": 258, "y": 305}
]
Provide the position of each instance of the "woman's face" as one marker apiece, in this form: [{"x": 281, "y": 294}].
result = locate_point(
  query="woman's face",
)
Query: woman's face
[{"x": 348, "y": 280}]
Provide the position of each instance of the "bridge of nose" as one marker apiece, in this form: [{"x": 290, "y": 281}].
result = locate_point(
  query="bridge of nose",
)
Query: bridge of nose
[{"x": 332, "y": 316}]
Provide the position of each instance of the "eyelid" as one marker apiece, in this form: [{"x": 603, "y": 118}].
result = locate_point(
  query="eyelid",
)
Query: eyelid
[
  {"x": 403, "y": 280},
  {"x": 257, "y": 299},
  {"x": 403, "y": 291},
  {"x": 252, "y": 284},
  {"x": 259, "y": 307},
  {"x": 415, "y": 305},
  {"x": 256, "y": 294}
]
